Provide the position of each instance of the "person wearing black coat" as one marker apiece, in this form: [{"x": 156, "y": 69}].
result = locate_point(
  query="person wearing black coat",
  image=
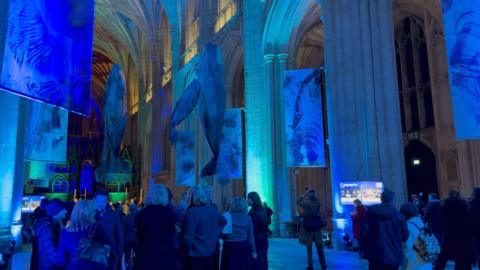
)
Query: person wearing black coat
[
  {"x": 474, "y": 209},
  {"x": 456, "y": 244},
  {"x": 201, "y": 229},
  {"x": 261, "y": 218},
  {"x": 386, "y": 231},
  {"x": 156, "y": 247},
  {"x": 47, "y": 231},
  {"x": 37, "y": 215},
  {"x": 430, "y": 215},
  {"x": 111, "y": 223}
]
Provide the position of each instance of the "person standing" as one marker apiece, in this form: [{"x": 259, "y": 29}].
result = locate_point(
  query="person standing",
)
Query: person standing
[
  {"x": 311, "y": 229},
  {"x": 47, "y": 231},
  {"x": 474, "y": 210},
  {"x": 239, "y": 244},
  {"x": 386, "y": 231},
  {"x": 456, "y": 244},
  {"x": 261, "y": 221},
  {"x": 415, "y": 225},
  {"x": 82, "y": 223},
  {"x": 430, "y": 215},
  {"x": 130, "y": 233},
  {"x": 201, "y": 230},
  {"x": 358, "y": 217},
  {"x": 156, "y": 234},
  {"x": 111, "y": 223}
]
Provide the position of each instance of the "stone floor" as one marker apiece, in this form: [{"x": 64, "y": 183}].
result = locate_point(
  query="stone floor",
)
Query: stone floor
[{"x": 284, "y": 254}]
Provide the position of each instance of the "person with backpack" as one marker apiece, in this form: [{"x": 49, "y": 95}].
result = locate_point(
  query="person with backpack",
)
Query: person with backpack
[
  {"x": 417, "y": 256},
  {"x": 311, "y": 229}
]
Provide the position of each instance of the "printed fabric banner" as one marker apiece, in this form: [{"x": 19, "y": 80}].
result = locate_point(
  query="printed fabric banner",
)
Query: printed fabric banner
[
  {"x": 462, "y": 35},
  {"x": 305, "y": 144},
  {"x": 230, "y": 159},
  {"x": 48, "y": 52},
  {"x": 185, "y": 158},
  {"x": 46, "y": 133}
]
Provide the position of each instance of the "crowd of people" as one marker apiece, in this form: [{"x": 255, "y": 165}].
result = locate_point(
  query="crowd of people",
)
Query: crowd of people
[
  {"x": 155, "y": 234},
  {"x": 419, "y": 236}
]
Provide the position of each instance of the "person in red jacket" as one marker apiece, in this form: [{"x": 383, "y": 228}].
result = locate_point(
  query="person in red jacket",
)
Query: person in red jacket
[{"x": 358, "y": 217}]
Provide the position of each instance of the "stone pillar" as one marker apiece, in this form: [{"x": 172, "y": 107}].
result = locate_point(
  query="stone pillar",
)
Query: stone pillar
[
  {"x": 258, "y": 117},
  {"x": 281, "y": 179},
  {"x": 365, "y": 136},
  {"x": 11, "y": 168}
]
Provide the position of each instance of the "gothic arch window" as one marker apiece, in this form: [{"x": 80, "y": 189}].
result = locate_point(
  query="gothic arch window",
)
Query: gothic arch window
[{"x": 413, "y": 75}]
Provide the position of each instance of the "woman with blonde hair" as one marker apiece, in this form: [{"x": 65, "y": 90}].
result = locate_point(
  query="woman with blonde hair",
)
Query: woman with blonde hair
[
  {"x": 81, "y": 224},
  {"x": 239, "y": 245},
  {"x": 156, "y": 233},
  {"x": 201, "y": 231}
]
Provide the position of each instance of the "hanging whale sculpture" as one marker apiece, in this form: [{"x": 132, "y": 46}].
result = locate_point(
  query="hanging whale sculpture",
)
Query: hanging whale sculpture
[{"x": 208, "y": 90}]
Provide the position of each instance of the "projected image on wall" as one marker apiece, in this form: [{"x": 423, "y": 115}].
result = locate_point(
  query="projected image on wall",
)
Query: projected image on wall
[
  {"x": 48, "y": 52},
  {"x": 462, "y": 25},
  {"x": 304, "y": 118}
]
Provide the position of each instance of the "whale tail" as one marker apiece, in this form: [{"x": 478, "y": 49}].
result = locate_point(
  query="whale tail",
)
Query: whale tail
[{"x": 210, "y": 168}]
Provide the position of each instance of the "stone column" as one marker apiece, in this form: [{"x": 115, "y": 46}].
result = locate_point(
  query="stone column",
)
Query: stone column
[
  {"x": 11, "y": 167},
  {"x": 365, "y": 136},
  {"x": 258, "y": 117},
  {"x": 281, "y": 179}
]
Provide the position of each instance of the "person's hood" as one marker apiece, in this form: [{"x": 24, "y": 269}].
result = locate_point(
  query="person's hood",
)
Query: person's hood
[{"x": 383, "y": 211}]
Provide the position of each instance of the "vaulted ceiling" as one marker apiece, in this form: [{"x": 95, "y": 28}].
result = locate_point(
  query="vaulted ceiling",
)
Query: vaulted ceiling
[{"x": 128, "y": 29}]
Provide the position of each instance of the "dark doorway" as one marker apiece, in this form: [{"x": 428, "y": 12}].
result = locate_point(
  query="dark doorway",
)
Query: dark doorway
[{"x": 421, "y": 169}]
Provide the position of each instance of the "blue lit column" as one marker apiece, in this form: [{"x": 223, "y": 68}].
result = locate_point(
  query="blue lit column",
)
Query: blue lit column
[
  {"x": 362, "y": 98},
  {"x": 258, "y": 118},
  {"x": 11, "y": 167},
  {"x": 282, "y": 181}
]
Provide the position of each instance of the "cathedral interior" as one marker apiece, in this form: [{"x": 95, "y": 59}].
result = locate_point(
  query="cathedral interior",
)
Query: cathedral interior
[{"x": 273, "y": 96}]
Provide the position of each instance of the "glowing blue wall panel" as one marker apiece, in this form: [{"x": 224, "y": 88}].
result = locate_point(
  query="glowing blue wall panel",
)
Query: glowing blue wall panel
[
  {"x": 48, "y": 52},
  {"x": 185, "y": 158},
  {"x": 46, "y": 135},
  {"x": 230, "y": 159},
  {"x": 304, "y": 118},
  {"x": 462, "y": 34}
]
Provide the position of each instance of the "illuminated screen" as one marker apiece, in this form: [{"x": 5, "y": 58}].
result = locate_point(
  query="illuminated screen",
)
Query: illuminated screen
[
  {"x": 368, "y": 192},
  {"x": 305, "y": 144},
  {"x": 29, "y": 203},
  {"x": 48, "y": 52},
  {"x": 462, "y": 28}
]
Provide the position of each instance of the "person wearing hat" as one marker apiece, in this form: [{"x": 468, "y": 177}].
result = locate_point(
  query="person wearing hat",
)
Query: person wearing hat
[{"x": 47, "y": 231}]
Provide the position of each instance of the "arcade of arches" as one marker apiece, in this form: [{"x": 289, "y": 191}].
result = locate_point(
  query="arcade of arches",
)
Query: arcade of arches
[{"x": 387, "y": 104}]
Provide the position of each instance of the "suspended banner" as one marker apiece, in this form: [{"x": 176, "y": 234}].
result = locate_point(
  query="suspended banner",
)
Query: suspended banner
[
  {"x": 462, "y": 35},
  {"x": 305, "y": 144},
  {"x": 230, "y": 159},
  {"x": 185, "y": 158},
  {"x": 46, "y": 133},
  {"x": 48, "y": 52}
]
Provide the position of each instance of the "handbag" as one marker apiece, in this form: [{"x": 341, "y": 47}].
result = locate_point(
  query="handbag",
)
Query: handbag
[
  {"x": 93, "y": 252},
  {"x": 313, "y": 223}
]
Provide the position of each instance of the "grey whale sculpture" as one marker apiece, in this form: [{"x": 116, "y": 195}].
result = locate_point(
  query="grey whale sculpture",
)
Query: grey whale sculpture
[
  {"x": 115, "y": 116},
  {"x": 209, "y": 91}
]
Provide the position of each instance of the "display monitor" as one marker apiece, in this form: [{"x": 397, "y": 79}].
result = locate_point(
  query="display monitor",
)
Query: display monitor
[
  {"x": 30, "y": 203},
  {"x": 369, "y": 192}
]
